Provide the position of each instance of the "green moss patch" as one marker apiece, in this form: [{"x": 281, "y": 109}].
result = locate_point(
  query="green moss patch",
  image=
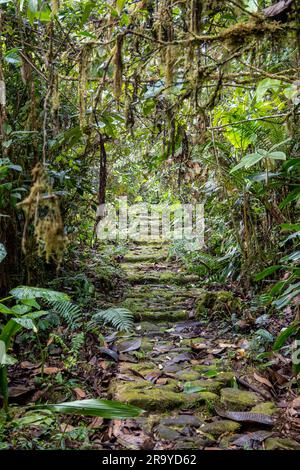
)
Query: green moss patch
[{"x": 235, "y": 399}]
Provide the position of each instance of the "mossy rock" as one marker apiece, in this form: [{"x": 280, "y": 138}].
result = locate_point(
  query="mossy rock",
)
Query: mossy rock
[
  {"x": 200, "y": 399},
  {"x": 187, "y": 375},
  {"x": 212, "y": 370},
  {"x": 155, "y": 258},
  {"x": 217, "y": 428},
  {"x": 226, "y": 377},
  {"x": 217, "y": 303},
  {"x": 181, "y": 421},
  {"x": 279, "y": 443},
  {"x": 209, "y": 385},
  {"x": 166, "y": 433},
  {"x": 172, "y": 315},
  {"x": 266, "y": 408},
  {"x": 239, "y": 400},
  {"x": 148, "y": 327},
  {"x": 192, "y": 443},
  {"x": 147, "y": 345},
  {"x": 189, "y": 341},
  {"x": 143, "y": 368},
  {"x": 159, "y": 398},
  {"x": 150, "y": 398},
  {"x": 155, "y": 277}
]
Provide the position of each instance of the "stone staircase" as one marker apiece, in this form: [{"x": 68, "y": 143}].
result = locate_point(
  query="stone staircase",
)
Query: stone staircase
[{"x": 166, "y": 368}]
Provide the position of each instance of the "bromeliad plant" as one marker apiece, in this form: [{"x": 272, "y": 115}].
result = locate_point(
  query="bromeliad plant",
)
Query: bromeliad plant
[{"x": 23, "y": 315}]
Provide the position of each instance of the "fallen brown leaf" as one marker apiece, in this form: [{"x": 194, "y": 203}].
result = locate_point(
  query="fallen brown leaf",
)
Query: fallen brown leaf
[
  {"x": 262, "y": 380},
  {"x": 51, "y": 370},
  {"x": 96, "y": 423},
  {"x": 79, "y": 393}
]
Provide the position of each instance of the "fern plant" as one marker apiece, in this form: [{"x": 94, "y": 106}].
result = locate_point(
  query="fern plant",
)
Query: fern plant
[
  {"x": 119, "y": 318},
  {"x": 68, "y": 312}
]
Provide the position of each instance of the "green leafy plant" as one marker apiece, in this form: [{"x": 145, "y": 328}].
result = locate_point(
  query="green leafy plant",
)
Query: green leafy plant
[
  {"x": 94, "y": 407},
  {"x": 266, "y": 156},
  {"x": 21, "y": 315},
  {"x": 286, "y": 290}
]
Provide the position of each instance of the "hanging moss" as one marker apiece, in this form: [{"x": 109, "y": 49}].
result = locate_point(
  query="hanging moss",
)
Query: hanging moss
[
  {"x": 41, "y": 208},
  {"x": 84, "y": 62},
  {"x": 118, "y": 68}
]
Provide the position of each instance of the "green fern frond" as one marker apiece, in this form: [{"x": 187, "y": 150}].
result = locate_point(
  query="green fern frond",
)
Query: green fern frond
[
  {"x": 119, "y": 318},
  {"x": 28, "y": 292},
  {"x": 77, "y": 343},
  {"x": 70, "y": 313}
]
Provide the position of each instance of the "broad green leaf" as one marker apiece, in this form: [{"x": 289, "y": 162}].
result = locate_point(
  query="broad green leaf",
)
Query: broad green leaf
[
  {"x": 285, "y": 334},
  {"x": 94, "y": 407},
  {"x": 266, "y": 85},
  {"x": 33, "y": 5},
  {"x": 190, "y": 388},
  {"x": 26, "y": 323},
  {"x": 21, "y": 309},
  {"x": 290, "y": 227},
  {"x": 28, "y": 292},
  {"x": 292, "y": 196},
  {"x": 292, "y": 257},
  {"x": 120, "y": 5},
  {"x": 88, "y": 7},
  {"x": 6, "y": 310},
  {"x": 2, "y": 353},
  {"x": 291, "y": 164},
  {"x": 283, "y": 142},
  {"x": 289, "y": 294},
  {"x": 255, "y": 158},
  {"x": 32, "y": 9},
  {"x": 266, "y": 272},
  {"x": 6, "y": 359},
  {"x": 12, "y": 57},
  {"x": 277, "y": 156},
  {"x": 31, "y": 303},
  {"x": 248, "y": 161},
  {"x": 8, "y": 331},
  {"x": 35, "y": 315},
  {"x": 251, "y": 5}
]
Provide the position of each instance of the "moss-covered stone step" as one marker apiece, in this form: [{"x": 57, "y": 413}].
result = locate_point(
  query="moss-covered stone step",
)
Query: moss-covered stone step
[
  {"x": 140, "y": 258},
  {"x": 144, "y": 267},
  {"x": 165, "y": 277},
  {"x": 161, "y": 316},
  {"x": 219, "y": 427},
  {"x": 152, "y": 397},
  {"x": 159, "y": 292},
  {"x": 157, "y": 305},
  {"x": 278, "y": 443},
  {"x": 239, "y": 400}
]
